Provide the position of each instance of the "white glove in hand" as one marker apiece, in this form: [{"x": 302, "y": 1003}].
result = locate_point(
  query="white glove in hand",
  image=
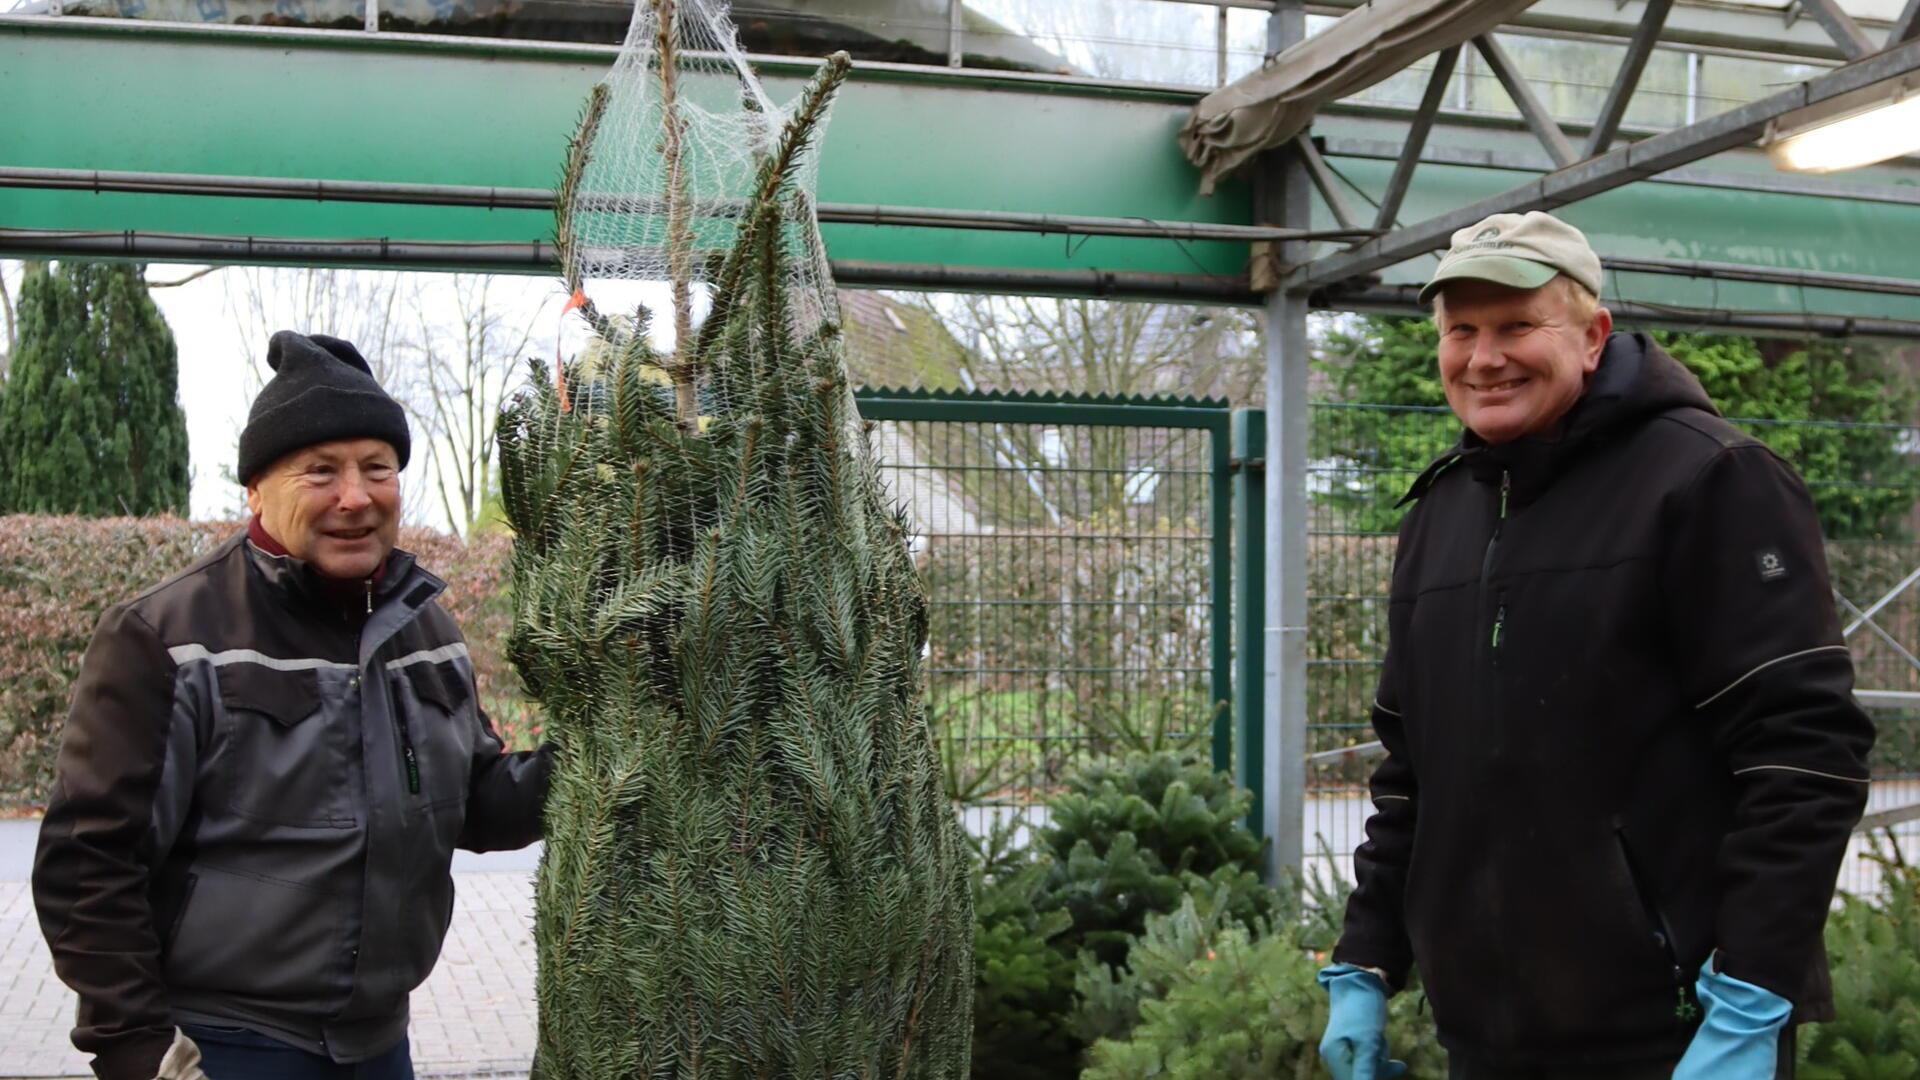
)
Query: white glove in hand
[{"x": 182, "y": 1061}]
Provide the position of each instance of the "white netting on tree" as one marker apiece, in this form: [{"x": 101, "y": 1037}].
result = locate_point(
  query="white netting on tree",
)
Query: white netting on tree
[{"x": 675, "y": 156}]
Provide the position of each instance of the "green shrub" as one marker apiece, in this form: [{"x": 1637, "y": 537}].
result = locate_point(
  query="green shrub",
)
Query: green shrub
[
  {"x": 1247, "y": 1008},
  {"x": 58, "y": 574},
  {"x": 1023, "y": 984},
  {"x": 1110, "y": 997},
  {"x": 1134, "y": 835},
  {"x": 1874, "y": 948},
  {"x": 1221, "y": 1000}
]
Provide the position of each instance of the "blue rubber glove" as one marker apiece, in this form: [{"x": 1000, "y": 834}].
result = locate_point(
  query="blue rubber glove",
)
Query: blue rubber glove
[
  {"x": 1739, "y": 1038},
  {"x": 1355, "y": 1045}
]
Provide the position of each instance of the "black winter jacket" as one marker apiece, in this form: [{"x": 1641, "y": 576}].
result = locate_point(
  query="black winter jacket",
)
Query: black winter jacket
[
  {"x": 1620, "y": 731},
  {"x": 256, "y": 807}
]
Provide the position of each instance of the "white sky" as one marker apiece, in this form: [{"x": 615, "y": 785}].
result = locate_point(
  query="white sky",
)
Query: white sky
[{"x": 219, "y": 354}]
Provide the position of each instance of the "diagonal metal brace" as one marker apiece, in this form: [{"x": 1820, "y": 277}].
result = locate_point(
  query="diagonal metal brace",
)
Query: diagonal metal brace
[
  {"x": 1840, "y": 26},
  {"x": 1535, "y": 113},
  {"x": 1874, "y": 609},
  {"x": 1443, "y": 64},
  {"x": 1607, "y": 125},
  {"x": 1323, "y": 179},
  {"x": 1906, "y": 27},
  {"x": 1878, "y": 631}
]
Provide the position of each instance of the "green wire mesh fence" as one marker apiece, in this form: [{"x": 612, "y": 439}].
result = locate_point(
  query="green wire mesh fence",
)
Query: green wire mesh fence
[{"x": 1076, "y": 556}]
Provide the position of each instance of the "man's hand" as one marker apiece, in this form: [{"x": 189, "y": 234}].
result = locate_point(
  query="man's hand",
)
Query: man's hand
[
  {"x": 1355, "y": 1044},
  {"x": 182, "y": 1061},
  {"x": 1739, "y": 1039}
]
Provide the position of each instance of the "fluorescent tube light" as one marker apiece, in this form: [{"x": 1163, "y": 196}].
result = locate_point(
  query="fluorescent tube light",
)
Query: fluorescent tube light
[{"x": 1849, "y": 131}]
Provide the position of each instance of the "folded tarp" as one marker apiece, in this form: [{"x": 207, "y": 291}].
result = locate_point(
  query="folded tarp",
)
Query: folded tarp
[{"x": 1365, "y": 46}]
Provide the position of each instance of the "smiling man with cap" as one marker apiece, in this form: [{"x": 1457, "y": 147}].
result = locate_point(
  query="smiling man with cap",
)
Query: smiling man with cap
[
  {"x": 244, "y": 867},
  {"x": 1623, "y": 757}
]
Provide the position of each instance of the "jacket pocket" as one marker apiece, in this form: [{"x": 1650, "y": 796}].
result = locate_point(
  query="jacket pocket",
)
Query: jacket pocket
[
  {"x": 263, "y": 939},
  {"x": 434, "y": 722},
  {"x": 1658, "y": 929},
  {"x": 179, "y": 912},
  {"x": 286, "y": 759}
]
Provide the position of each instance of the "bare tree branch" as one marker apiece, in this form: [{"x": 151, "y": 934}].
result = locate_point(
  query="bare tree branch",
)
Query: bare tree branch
[{"x": 195, "y": 276}]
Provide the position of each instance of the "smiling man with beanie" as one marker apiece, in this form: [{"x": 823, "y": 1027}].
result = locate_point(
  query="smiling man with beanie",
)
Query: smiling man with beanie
[
  {"x": 1623, "y": 757},
  {"x": 244, "y": 867}
]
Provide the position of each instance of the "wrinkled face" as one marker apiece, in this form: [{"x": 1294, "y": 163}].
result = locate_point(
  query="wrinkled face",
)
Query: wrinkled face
[
  {"x": 1514, "y": 361},
  {"x": 335, "y": 505}
]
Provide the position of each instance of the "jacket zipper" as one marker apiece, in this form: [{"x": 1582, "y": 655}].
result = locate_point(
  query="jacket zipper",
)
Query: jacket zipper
[
  {"x": 1684, "y": 1010},
  {"x": 1486, "y": 560},
  {"x": 406, "y": 752},
  {"x": 409, "y": 760}
]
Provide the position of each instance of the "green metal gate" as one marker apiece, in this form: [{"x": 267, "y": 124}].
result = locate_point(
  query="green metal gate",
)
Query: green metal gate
[{"x": 1078, "y": 557}]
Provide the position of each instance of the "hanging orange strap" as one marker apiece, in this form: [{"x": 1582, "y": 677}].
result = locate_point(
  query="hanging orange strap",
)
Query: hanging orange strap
[{"x": 577, "y": 300}]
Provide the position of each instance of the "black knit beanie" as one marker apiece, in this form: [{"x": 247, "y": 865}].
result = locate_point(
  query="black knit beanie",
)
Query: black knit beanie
[{"x": 321, "y": 390}]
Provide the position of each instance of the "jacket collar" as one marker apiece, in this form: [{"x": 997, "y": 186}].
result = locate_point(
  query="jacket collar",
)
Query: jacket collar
[
  {"x": 297, "y": 579},
  {"x": 1636, "y": 380}
]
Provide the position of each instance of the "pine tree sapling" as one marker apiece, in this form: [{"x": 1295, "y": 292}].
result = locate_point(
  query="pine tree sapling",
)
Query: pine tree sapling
[
  {"x": 1023, "y": 985},
  {"x": 91, "y": 422},
  {"x": 1134, "y": 835},
  {"x": 1874, "y": 947},
  {"x": 1204, "y": 995},
  {"x": 752, "y": 869}
]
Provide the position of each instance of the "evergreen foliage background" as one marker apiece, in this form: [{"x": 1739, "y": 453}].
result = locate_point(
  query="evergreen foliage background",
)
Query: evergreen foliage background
[
  {"x": 1128, "y": 838},
  {"x": 1873, "y": 944},
  {"x": 1864, "y": 482},
  {"x": 90, "y": 422}
]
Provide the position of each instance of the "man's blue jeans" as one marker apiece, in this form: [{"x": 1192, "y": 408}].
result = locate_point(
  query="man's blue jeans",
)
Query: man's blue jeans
[{"x": 234, "y": 1054}]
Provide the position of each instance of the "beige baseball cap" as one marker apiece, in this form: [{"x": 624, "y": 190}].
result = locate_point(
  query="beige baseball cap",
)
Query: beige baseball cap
[{"x": 1523, "y": 251}]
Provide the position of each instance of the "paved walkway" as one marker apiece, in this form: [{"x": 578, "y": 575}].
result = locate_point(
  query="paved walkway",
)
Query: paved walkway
[{"x": 472, "y": 1018}]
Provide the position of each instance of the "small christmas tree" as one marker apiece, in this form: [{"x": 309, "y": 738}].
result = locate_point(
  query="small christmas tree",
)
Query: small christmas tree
[{"x": 752, "y": 869}]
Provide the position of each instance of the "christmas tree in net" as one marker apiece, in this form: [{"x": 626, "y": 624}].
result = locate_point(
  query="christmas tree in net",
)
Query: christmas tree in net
[{"x": 752, "y": 869}]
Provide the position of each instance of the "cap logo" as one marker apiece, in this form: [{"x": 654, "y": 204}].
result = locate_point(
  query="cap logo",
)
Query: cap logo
[{"x": 1488, "y": 233}]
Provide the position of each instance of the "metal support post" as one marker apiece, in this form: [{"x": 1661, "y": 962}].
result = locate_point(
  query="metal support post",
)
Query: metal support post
[
  {"x": 1694, "y": 63},
  {"x": 373, "y": 15},
  {"x": 1283, "y": 195},
  {"x": 1220, "y": 635},
  {"x": 956, "y": 19},
  {"x": 1286, "y": 645},
  {"x": 1250, "y": 607},
  {"x": 1220, "y": 49}
]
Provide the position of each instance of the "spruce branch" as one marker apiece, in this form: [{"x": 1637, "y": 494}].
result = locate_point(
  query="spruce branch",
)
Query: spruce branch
[
  {"x": 776, "y": 172},
  {"x": 566, "y": 240}
]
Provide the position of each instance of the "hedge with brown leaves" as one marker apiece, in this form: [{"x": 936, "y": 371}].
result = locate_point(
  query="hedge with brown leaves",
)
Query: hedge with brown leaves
[{"x": 58, "y": 574}]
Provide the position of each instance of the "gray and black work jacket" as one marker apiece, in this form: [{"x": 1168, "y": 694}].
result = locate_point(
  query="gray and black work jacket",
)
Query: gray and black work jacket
[{"x": 257, "y": 801}]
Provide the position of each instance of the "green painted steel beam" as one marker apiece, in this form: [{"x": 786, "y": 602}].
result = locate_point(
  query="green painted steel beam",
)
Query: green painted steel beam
[
  {"x": 1220, "y": 558},
  {"x": 1250, "y": 607},
  {"x": 105, "y": 94},
  {"x": 884, "y": 404}
]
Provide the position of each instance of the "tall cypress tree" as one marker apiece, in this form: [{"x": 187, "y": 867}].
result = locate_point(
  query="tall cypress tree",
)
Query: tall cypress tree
[{"x": 91, "y": 422}]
